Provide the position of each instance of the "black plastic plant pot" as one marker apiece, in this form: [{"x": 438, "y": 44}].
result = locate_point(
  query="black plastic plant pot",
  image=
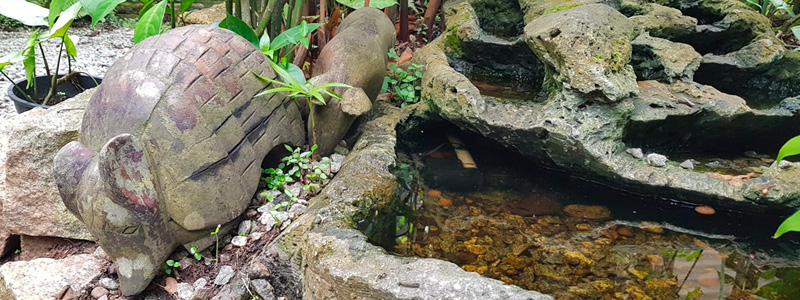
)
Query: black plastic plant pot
[{"x": 70, "y": 89}]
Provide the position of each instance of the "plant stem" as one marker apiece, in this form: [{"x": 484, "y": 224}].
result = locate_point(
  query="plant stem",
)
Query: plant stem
[
  {"x": 266, "y": 16},
  {"x": 44, "y": 58},
  {"x": 788, "y": 24},
  {"x": 690, "y": 269},
  {"x": 229, "y": 7},
  {"x": 19, "y": 89},
  {"x": 322, "y": 31},
  {"x": 53, "y": 81},
  {"x": 311, "y": 117},
  {"x": 721, "y": 278},
  {"x": 173, "y": 14},
  {"x": 403, "y": 34},
  {"x": 430, "y": 16},
  {"x": 238, "y": 8},
  {"x": 252, "y": 13}
]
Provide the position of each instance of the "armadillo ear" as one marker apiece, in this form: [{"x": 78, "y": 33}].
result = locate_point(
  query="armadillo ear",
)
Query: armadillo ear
[
  {"x": 68, "y": 167},
  {"x": 126, "y": 174}
]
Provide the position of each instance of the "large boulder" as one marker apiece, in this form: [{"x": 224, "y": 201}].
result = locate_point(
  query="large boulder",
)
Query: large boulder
[
  {"x": 658, "y": 20},
  {"x": 31, "y": 204},
  {"x": 47, "y": 278},
  {"x": 206, "y": 15},
  {"x": 588, "y": 48},
  {"x": 660, "y": 59}
]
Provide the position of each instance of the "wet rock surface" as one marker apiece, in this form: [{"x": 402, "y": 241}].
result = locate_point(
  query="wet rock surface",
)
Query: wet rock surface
[
  {"x": 588, "y": 48},
  {"x": 569, "y": 129}
]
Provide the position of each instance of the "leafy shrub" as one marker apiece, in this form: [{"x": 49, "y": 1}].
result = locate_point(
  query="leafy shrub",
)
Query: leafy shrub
[{"x": 403, "y": 84}]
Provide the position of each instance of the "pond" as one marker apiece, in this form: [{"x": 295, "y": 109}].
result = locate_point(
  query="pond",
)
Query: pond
[{"x": 544, "y": 230}]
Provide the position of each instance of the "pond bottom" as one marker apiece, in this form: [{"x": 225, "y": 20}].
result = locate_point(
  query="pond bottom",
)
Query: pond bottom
[{"x": 549, "y": 232}]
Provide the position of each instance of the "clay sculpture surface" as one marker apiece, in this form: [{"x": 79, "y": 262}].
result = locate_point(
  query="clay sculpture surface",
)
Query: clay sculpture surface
[
  {"x": 171, "y": 146},
  {"x": 355, "y": 56}
]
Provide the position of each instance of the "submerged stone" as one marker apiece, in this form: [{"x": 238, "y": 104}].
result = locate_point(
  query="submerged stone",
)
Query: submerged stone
[{"x": 592, "y": 212}]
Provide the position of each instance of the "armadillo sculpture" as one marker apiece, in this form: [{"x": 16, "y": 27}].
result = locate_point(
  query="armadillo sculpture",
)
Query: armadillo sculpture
[{"x": 171, "y": 146}]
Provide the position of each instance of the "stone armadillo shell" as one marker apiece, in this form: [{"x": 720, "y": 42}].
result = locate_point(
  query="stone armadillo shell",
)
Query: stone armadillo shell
[{"x": 188, "y": 96}]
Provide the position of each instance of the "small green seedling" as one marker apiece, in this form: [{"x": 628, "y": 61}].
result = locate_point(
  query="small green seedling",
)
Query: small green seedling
[
  {"x": 170, "y": 266},
  {"x": 215, "y": 233},
  {"x": 196, "y": 254}
]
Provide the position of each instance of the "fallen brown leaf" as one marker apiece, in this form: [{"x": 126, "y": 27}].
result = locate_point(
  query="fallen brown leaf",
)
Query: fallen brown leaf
[
  {"x": 405, "y": 56},
  {"x": 171, "y": 285}
]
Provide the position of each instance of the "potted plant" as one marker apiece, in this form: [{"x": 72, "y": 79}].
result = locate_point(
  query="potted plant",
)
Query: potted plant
[{"x": 44, "y": 90}]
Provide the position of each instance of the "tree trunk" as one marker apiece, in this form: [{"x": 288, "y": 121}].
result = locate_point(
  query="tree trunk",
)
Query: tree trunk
[
  {"x": 403, "y": 34},
  {"x": 430, "y": 16}
]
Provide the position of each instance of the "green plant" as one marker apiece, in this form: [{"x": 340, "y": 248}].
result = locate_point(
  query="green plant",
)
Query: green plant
[
  {"x": 193, "y": 252},
  {"x": 170, "y": 266},
  {"x": 770, "y": 7},
  {"x": 57, "y": 19},
  {"x": 404, "y": 85},
  {"x": 299, "y": 87},
  {"x": 291, "y": 37},
  {"x": 792, "y": 223},
  {"x": 215, "y": 234}
]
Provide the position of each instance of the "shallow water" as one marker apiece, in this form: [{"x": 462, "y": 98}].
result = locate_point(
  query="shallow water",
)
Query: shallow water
[{"x": 546, "y": 231}]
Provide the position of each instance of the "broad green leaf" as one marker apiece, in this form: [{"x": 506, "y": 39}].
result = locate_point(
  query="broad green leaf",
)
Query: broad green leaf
[
  {"x": 296, "y": 73},
  {"x": 149, "y": 23},
  {"x": 379, "y": 4},
  {"x": 29, "y": 60},
  {"x": 65, "y": 18},
  {"x": 69, "y": 45},
  {"x": 792, "y": 147},
  {"x": 241, "y": 28},
  {"x": 56, "y": 7},
  {"x": 285, "y": 75},
  {"x": 99, "y": 9},
  {"x": 185, "y": 4},
  {"x": 293, "y": 35},
  {"x": 10, "y": 59},
  {"x": 25, "y": 12},
  {"x": 796, "y": 31},
  {"x": 791, "y": 223}
]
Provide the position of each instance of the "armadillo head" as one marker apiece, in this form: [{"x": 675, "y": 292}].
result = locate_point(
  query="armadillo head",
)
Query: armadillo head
[{"x": 114, "y": 193}]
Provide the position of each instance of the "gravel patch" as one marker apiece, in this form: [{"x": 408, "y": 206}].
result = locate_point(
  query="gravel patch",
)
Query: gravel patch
[{"x": 97, "y": 49}]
